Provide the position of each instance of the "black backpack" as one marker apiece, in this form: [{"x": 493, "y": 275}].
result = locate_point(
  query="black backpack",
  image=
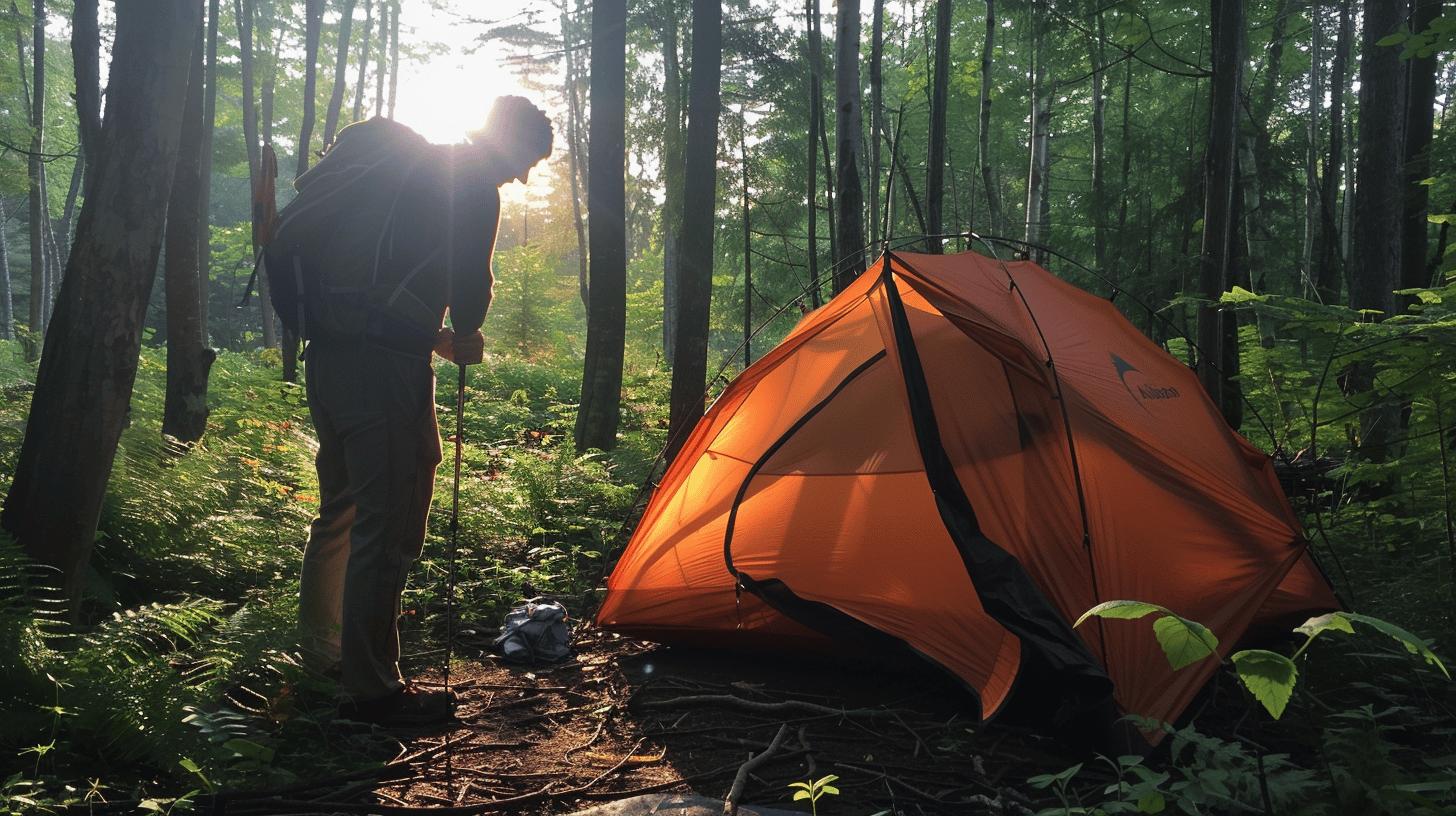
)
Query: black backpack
[{"x": 330, "y": 258}]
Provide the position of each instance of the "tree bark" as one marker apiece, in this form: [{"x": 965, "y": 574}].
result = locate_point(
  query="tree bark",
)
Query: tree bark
[
  {"x": 1420, "y": 120},
  {"x": 672, "y": 181},
  {"x": 243, "y": 10},
  {"x": 1315, "y": 103},
  {"x": 358, "y": 112},
  {"x": 574, "y": 162},
  {"x": 935, "y": 164},
  {"x": 877, "y": 116},
  {"x": 1330, "y": 264},
  {"x": 7, "y": 296},
  {"x": 1217, "y": 363},
  {"x": 1041, "y": 115},
  {"x": 1379, "y": 180},
  {"x": 747, "y": 244},
  {"x": 36, "y": 175},
  {"x": 695, "y": 280},
  {"x": 816, "y": 119},
  {"x": 983, "y": 150},
  {"x": 381, "y": 63},
  {"x": 601, "y": 385},
  {"x": 393, "y": 55},
  {"x": 849, "y": 130},
  {"x": 1099, "y": 147},
  {"x": 184, "y": 414},
  {"x": 86, "y": 64},
  {"x": 1124, "y": 186},
  {"x": 204, "y": 203},
  {"x": 341, "y": 73},
  {"x": 313, "y": 24},
  {"x": 84, "y": 383}
]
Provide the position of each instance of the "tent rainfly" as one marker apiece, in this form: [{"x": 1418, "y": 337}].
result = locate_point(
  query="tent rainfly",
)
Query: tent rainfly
[{"x": 957, "y": 456}]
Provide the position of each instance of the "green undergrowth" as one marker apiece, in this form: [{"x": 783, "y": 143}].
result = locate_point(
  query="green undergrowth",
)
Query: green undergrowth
[{"x": 184, "y": 674}]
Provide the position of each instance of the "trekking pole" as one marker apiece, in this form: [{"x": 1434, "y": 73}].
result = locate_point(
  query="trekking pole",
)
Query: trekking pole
[{"x": 454, "y": 542}]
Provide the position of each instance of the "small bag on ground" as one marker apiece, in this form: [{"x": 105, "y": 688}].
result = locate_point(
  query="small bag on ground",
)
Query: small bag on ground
[{"x": 534, "y": 634}]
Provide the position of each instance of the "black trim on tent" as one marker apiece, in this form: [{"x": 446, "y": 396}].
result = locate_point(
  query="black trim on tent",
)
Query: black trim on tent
[{"x": 1006, "y": 592}]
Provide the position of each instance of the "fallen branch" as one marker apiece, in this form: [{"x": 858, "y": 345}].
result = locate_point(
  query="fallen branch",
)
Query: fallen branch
[
  {"x": 730, "y": 802},
  {"x": 754, "y": 705}
]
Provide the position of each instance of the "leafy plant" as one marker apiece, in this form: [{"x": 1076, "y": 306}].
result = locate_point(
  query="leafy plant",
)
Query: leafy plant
[{"x": 814, "y": 789}]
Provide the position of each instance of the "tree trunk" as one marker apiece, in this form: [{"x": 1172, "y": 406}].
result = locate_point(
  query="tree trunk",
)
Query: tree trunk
[
  {"x": 184, "y": 415},
  {"x": 358, "y": 112},
  {"x": 1124, "y": 186},
  {"x": 313, "y": 25},
  {"x": 849, "y": 130},
  {"x": 204, "y": 203},
  {"x": 983, "y": 150},
  {"x": 816, "y": 118},
  {"x": 243, "y": 11},
  {"x": 36, "y": 174},
  {"x": 1328, "y": 276},
  {"x": 672, "y": 178},
  {"x": 574, "y": 162},
  {"x": 695, "y": 279},
  {"x": 341, "y": 74},
  {"x": 935, "y": 164},
  {"x": 84, "y": 384},
  {"x": 1379, "y": 180},
  {"x": 1041, "y": 115},
  {"x": 86, "y": 63},
  {"x": 1315, "y": 102},
  {"x": 747, "y": 244},
  {"x": 1217, "y": 363},
  {"x": 1099, "y": 149},
  {"x": 601, "y": 384},
  {"x": 877, "y": 117},
  {"x": 7, "y": 297},
  {"x": 393, "y": 55},
  {"x": 1420, "y": 120},
  {"x": 272, "y": 31},
  {"x": 823, "y": 130},
  {"x": 68, "y": 211},
  {"x": 381, "y": 63}
]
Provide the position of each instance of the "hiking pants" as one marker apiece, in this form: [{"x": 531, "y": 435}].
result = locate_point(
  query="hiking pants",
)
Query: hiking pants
[{"x": 374, "y": 411}]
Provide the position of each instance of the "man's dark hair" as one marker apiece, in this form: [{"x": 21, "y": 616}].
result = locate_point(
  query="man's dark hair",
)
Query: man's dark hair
[{"x": 516, "y": 128}]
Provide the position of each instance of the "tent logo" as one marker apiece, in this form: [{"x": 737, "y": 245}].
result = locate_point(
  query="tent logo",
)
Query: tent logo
[{"x": 1144, "y": 392}]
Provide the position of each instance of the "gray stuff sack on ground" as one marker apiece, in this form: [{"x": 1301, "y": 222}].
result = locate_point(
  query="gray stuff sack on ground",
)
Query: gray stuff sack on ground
[{"x": 535, "y": 634}]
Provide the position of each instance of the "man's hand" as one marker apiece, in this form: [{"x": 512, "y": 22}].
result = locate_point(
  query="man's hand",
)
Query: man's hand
[{"x": 467, "y": 349}]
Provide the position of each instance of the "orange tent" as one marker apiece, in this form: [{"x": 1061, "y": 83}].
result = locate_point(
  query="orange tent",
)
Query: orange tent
[{"x": 959, "y": 456}]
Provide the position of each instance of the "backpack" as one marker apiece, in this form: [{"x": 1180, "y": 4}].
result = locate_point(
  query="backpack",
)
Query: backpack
[
  {"x": 535, "y": 633},
  {"x": 331, "y": 256}
]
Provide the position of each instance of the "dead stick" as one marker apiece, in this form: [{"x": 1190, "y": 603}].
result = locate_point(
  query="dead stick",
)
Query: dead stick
[
  {"x": 730, "y": 802},
  {"x": 754, "y": 705}
]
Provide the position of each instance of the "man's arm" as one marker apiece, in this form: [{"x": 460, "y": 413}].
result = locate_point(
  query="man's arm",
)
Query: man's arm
[{"x": 474, "y": 220}]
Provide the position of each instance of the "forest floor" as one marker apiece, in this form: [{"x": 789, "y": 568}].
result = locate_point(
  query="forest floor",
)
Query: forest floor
[{"x": 625, "y": 718}]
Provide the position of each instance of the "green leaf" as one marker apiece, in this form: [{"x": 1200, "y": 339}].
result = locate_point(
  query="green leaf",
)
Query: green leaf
[
  {"x": 827, "y": 779},
  {"x": 1151, "y": 802},
  {"x": 829, "y": 790},
  {"x": 803, "y": 794},
  {"x": 1185, "y": 642},
  {"x": 804, "y": 785},
  {"x": 1442, "y": 218},
  {"x": 1413, "y": 644},
  {"x": 1120, "y": 610},
  {"x": 1333, "y": 621},
  {"x": 247, "y": 749},
  {"x": 1393, "y": 39},
  {"x": 1269, "y": 676},
  {"x": 188, "y": 765}
]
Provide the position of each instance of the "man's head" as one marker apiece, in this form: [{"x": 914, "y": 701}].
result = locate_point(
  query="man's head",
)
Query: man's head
[{"x": 517, "y": 135}]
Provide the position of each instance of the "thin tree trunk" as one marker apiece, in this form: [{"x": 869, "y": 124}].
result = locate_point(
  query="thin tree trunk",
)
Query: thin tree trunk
[
  {"x": 672, "y": 157},
  {"x": 7, "y": 296},
  {"x": 983, "y": 150},
  {"x": 68, "y": 212},
  {"x": 86, "y": 63},
  {"x": 601, "y": 385},
  {"x": 209, "y": 125},
  {"x": 1419, "y": 124},
  {"x": 574, "y": 162},
  {"x": 1124, "y": 186},
  {"x": 935, "y": 163},
  {"x": 849, "y": 130},
  {"x": 1099, "y": 148},
  {"x": 363, "y": 61},
  {"x": 184, "y": 414},
  {"x": 747, "y": 245},
  {"x": 1217, "y": 363},
  {"x": 381, "y": 65},
  {"x": 877, "y": 116},
  {"x": 84, "y": 384},
  {"x": 1315, "y": 103},
  {"x": 816, "y": 119},
  {"x": 818, "y": 57},
  {"x": 273, "y": 31},
  {"x": 36, "y": 174},
  {"x": 341, "y": 74},
  {"x": 1041, "y": 114},
  {"x": 313, "y": 26},
  {"x": 695, "y": 282},
  {"x": 1327, "y": 279},
  {"x": 908, "y": 185},
  {"x": 243, "y": 10},
  {"x": 393, "y": 55}
]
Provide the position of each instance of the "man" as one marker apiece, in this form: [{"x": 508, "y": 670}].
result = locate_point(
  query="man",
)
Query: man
[{"x": 402, "y": 231}]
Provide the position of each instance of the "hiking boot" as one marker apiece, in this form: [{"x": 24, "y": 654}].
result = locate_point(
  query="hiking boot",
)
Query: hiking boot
[{"x": 410, "y": 706}]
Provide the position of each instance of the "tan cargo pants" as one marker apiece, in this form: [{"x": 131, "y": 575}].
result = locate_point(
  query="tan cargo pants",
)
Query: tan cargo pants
[{"x": 379, "y": 444}]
